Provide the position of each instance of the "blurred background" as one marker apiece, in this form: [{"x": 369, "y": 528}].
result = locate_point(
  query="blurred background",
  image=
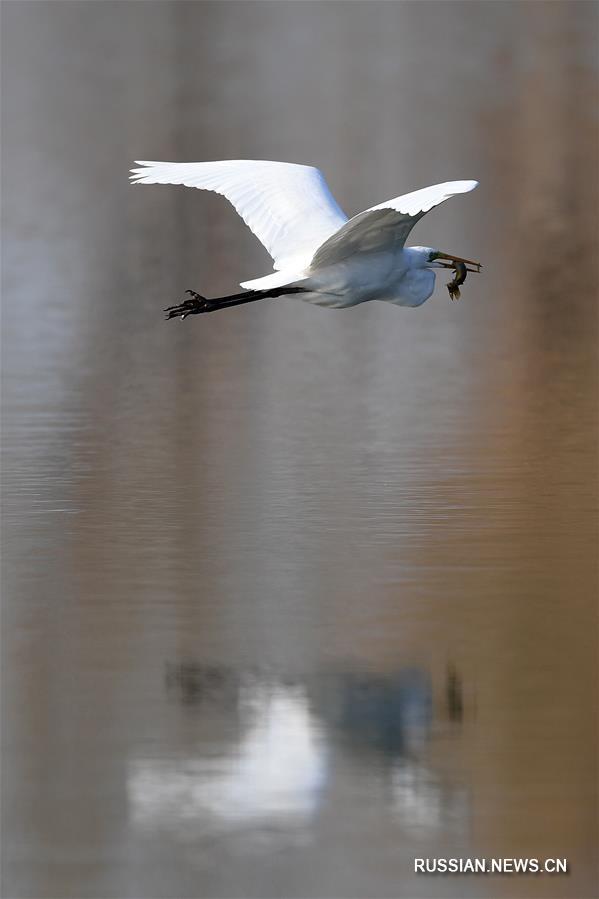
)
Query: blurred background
[{"x": 291, "y": 595}]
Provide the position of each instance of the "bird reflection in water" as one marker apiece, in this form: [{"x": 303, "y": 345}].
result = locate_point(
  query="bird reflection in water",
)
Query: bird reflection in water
[
  {"x": 274, "y": 775},
  {"x": 291, "y": 737}
]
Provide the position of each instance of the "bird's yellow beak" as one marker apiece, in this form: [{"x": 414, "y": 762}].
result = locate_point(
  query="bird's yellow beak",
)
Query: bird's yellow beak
[{"x": 476, "y": 266}]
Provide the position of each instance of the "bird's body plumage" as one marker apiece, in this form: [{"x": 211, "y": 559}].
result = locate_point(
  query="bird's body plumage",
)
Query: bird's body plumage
[
  {"x": 380, "y": 275},
  {"x": 336, "y": 261}
]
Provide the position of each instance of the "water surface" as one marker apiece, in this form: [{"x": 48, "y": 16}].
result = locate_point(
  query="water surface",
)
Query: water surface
[{"x": 292, "y": 596}]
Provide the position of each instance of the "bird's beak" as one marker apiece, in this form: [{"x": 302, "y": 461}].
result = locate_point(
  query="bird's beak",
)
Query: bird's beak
[{"x": 476, "y": 266}]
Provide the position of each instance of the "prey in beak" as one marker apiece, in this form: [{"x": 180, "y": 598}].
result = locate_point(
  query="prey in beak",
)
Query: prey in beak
[{"x": 460, "y": 268}]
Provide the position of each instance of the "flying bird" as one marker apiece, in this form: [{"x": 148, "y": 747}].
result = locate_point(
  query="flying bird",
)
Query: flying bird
[{"x": 318, "y": 252}]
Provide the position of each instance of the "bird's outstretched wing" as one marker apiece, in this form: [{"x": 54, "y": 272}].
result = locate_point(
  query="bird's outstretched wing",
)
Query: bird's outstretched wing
[
  {"x": 288, "y": 207},
  {"x": 386, "y": 225}
]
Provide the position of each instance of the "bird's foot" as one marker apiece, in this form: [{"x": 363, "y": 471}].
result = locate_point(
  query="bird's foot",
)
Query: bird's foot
[{"x": 195, "y": 305}]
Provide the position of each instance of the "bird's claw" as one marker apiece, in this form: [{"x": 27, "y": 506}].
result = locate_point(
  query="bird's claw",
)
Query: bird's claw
[{"x": 193, "y": 306}]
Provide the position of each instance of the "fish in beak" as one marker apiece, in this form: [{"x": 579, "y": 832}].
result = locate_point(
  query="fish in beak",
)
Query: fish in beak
[{"x": 460, "y": 267}]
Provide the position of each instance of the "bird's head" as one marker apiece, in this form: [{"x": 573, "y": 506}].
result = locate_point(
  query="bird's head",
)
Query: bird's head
[{"x": 429, "y": 257}]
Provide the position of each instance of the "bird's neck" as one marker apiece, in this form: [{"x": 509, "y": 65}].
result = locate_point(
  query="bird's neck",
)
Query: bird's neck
[{"x": 417, "y": 256}]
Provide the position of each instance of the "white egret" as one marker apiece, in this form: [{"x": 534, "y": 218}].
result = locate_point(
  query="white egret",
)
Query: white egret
[{"x": 319, "y": 253}]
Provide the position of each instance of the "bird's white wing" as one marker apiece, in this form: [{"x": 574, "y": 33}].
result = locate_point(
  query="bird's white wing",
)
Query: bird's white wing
[
  {"x": 288, "y": 207},
  {"x": 387, "y": 225}
]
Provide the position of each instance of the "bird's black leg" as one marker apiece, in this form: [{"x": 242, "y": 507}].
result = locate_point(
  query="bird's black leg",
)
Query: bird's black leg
[
  {"x": 197, "y": 304},
  {"x": 193, "y": 306}
]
